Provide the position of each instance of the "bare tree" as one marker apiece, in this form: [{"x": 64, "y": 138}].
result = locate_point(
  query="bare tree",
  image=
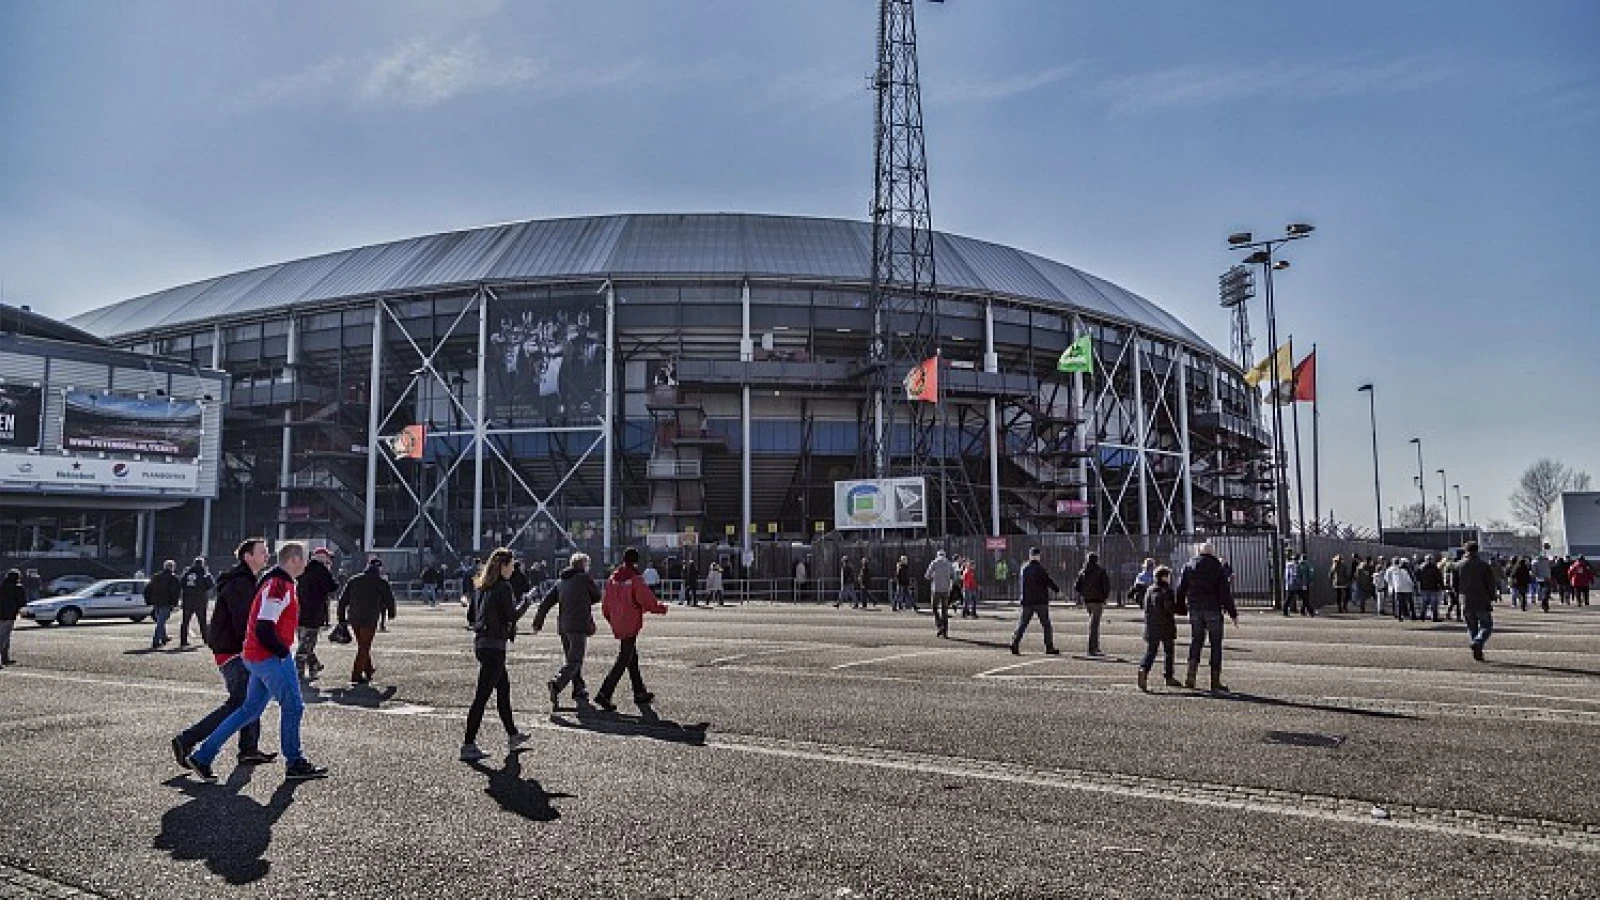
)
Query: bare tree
[
  {"x": 1540, "y": 487},
  {"x": 1418, "y": 516}
]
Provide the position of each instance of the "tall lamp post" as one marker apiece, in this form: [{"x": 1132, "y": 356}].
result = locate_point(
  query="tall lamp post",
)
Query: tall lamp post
[
  {"x": 1262, "y": 255},
  {"x": 1422, "y": 488},
  {"x": 1377, "y": 487},
  {"x": 1461, "y": 517},
  {"x": 1466, "y": 516},
  {"x": 1444, "y": 501}
]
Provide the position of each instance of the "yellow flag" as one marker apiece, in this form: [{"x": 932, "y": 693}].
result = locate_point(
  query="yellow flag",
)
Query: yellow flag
[{"x": 1263, "y": 369}]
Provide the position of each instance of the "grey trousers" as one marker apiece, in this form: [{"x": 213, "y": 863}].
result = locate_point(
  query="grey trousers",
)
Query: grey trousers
[
  {"x": 574, "y": 646},
  {"x": 305, "y": 651},
  {"x": 5, "y": 639}
]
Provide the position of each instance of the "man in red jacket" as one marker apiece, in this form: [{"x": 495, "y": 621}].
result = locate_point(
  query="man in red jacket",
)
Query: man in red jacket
[
  {"x": 274, "y": 615},
  {"x": 627, "y": 599},
  {"x": 1581, "y": 574}
]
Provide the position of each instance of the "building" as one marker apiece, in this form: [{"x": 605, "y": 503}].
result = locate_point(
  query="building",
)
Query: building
[
  {"x": 98, "y": 444},
  {"x": 1575, "y": 527},
  {"x": 684, "y": 378}
]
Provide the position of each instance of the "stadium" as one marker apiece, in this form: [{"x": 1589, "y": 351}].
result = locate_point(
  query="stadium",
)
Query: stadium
[{"x": 683, "y": 379}]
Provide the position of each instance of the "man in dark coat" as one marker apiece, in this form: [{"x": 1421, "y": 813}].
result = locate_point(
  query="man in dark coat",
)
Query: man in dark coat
[
  {"x": 315, "y": 587},
  {"x": 576, "y": 592},
  {"x": 1037, "y": 586},
  {"x": 365, "y": 599},
  {"x": 1479, "y": 590},
  {"x": 163, "y": 592},
  {"x": 197, "y": 585},
  {"x": 1206, "y": 588},
  {"x": 230, "y": 617},
  {"x": 1094, "y": 586}
]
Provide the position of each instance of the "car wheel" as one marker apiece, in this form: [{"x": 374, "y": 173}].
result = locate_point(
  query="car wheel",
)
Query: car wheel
[{"x": 69, "y": 616}]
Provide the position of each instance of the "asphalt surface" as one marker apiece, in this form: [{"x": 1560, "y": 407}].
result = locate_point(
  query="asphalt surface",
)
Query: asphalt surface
[{"x": 820, "y": 752}]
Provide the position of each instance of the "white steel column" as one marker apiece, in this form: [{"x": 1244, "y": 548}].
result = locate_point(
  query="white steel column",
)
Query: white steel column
[
  {"x": 205, "y": 505},
  {"x": 374, "y": 421},
  {"x": 285, "y": 462},
  {"x": 991, "y": 364},
  {"x": 607, "y": 521},
  {"x": 480, "y": 428},
  {"x": 747, "y": 355},
  {"x": 1183, "y": 441},
  {"x": 1084, "y": 422},
  {"x": 1144, "y": 418}
]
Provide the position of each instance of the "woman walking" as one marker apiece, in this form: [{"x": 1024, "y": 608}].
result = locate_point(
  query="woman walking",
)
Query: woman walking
[
  {"x": 13, "y": 596},
  {"x": 714, "y": 585},
  {"x": 495, "y": 611},
  {"x": 627, "y": 599},
  {"x": 1160, "y": 627}
]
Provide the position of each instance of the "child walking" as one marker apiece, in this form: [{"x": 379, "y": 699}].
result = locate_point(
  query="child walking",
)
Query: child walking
[{"x": 1161, "y": 609}]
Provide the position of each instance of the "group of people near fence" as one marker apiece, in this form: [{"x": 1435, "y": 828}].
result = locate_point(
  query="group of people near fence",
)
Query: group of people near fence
[{"x": 1426, "y": 587}]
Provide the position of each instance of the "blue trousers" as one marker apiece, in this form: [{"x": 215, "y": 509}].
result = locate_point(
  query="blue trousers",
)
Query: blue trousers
[
  {"x": 1029, "y": 613},
  {"x": 236, "y": 678},
  {"x": 274, "y": 679}
]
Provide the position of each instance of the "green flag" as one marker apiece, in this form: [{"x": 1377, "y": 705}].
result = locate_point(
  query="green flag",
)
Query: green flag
[{"x": 1078, "y": 357}]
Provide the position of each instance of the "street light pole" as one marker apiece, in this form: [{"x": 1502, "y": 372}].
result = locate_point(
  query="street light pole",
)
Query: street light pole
[
  {"x": 1377, "y": 487},
  {"x": 1422, "y": 487},
  {"x": 1466, "y": 517},
  {"x": 1444, "y": 500}
]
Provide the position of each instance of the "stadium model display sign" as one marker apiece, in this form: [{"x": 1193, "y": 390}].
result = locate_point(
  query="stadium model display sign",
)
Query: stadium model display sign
[
  {"x": 20, "y": 415},
  {"x": 880, "y": 503},
  {"x": 135, "y": 475},
  {"x": 547, "y": 361},
  {"x": 113, "y": 423}
]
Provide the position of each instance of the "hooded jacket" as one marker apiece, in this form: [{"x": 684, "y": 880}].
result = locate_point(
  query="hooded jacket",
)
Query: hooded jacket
[
  {"x": 1476, "y": 582},
  {"x": 1160, "y": 613},
  {"x": 163, "y": 589},
  {"x": 1093, "y": 584},
  {"x": 576, "y": 592},
  {"x": 315, "y": 587},
  {"x": 364, "y": 598},
  {"x": 12, "y": 597},
  {"x": 230, "y": 617},
  {"x": 627, "y": 599},
  {"x": 197, "y": 585},
  {"x": 1203, "y": 586}
]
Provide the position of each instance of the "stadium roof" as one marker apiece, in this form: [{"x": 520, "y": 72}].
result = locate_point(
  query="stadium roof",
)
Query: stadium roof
[{"x": 713, "y": 245}]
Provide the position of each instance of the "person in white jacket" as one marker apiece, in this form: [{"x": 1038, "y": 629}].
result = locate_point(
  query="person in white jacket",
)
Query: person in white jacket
[
  {"x": 714, "y": 585},
  {"x": 1401, "y": 585}
]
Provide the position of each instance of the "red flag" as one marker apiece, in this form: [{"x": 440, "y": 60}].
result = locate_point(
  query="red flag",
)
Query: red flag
[
  {"x": 922, "y": 382},
  {"x": 1305, "y": 379}
]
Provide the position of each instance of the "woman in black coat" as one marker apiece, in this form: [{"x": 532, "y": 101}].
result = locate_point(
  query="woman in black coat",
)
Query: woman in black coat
[{"x": 1161, "y": 609}]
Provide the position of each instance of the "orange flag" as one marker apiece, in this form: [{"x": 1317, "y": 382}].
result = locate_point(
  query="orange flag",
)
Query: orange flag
[{"x": 922, "y": 382}]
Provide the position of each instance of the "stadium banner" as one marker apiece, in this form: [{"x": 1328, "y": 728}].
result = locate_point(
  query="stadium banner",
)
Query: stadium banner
[
  {"x": 880, "y": 503},
  {"x": 116, "y": 474},
  {"x": 547, "y": 361},
  {"x": 114, "y": 423},
  {"x": 21, "y": 412}
]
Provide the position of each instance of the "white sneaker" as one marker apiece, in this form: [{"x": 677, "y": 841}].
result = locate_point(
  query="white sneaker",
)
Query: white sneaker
[
  {"x": 472, "y": 753},
  {"x": 515, "y": 741}
]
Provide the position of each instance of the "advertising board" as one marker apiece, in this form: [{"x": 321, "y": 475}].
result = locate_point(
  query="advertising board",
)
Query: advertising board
[
  {"x": 115, "y": 423},
  {"x": 115, "y": 474},
  {"x": 880, "y": 503},
  {"x": 21, "y": 411},
  {"x": 547, "y": 361}
]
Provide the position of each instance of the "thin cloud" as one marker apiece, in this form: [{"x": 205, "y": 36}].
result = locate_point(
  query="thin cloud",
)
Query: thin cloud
[
  {"x": 818, "y": 88},
  {"x": 988, "y": 90},
  {"x": 1200, "y": 85}
]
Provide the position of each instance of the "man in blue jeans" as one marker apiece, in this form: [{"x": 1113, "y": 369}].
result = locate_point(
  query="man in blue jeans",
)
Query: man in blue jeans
[
  {"x": 1479, "y": 590},
  {"x": 230, "y": 619},
  {"x": 274, "y": 616},
  {"x": 1037, "y": 586},
  {"x": 1205, "y": 586}
]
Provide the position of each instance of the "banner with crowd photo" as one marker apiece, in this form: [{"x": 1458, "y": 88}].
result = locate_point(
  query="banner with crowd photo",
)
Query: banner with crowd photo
[
  {"x": 20, "y": 415},
  {"x": 547, "y": 361},
  {"x": 114, "y": 423}
]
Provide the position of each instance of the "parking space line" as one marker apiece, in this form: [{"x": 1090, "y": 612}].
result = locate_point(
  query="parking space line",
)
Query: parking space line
[
  {"x": 1007, "y": 668},
  {"x": 868, "y": 662},
  {"x": 772, "y": 652}
]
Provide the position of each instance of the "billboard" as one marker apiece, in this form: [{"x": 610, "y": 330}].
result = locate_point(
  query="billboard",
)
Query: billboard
[
  {"x": 880, "y": 503},
  {"x": 547, "y": 361},
  {"x": 21, "y": 409},
  {"x": 114, "y": 423},
  {"x": 115, "y": 474}
]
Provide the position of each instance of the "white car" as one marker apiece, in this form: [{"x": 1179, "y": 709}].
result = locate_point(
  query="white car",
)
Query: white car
[{"x": 113, "y": 598}]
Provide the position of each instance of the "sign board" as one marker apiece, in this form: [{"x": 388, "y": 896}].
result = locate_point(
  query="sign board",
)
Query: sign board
[
  {"x": 1072, "y": 508},
  {"x": 880, "y": 503},
  {"x": 994, "y": 543},
  {"x": 21, "y": 409},
  {"x": 115, "y": 474},
  {"x": 547, "y": 357},
  {"x": 114, "y": 423}
]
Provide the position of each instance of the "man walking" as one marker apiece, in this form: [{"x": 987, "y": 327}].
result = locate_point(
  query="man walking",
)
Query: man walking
[
  {"x": 365, "y": 599},
  {"x": 196, "y": 585},
  {"x": 13, "y": 596},
  {"x": 230, "y": 619},
  {"x": 1093, "y": 585},
  {"x": 1037, "y": 586},
  {"x": 627, "y": 599},
  {"x": 274, "y": 615},
  {"x": 315, "y": 587},
  {"x": 1430, "y": 585},
  {"x": 163, "y": 592},
  {"x": 576, "y": 592},
  {"x": 1204, "y": 588},
  {"x": 432, "y": 584},
  {"x": 941, "y": 575},
  {"x": 1479, "y": 590}
]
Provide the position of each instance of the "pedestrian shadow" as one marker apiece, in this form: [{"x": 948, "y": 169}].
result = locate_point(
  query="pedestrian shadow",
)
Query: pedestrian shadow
[
  {"x": 998, "y": 645},
  {"x": 1258, "y": 700},
  {"x": 1530, "y": 667},
  {"x": 647, "y": 724},
  {"x": 515, "y": 794},
  {"x": 364, "y": 696},
  {"x": 143, "y": 651},
  {"x": 227, "y": 830}
]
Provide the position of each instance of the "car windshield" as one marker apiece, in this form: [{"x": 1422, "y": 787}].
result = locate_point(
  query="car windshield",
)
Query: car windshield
[{"x": 89, "y": 590}]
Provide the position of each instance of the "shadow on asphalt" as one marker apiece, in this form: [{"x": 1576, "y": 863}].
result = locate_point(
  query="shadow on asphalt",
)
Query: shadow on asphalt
[
  {"x": 646, "y": 724},
  {"x": 228, "y": 831},
  {"x": 1257, "y": 699},
  {"x": 1558, "y": 670},
  {"x": 515, "y": 794},
  {"x": 364, "y": 695},
  {"x": 998, "y": 645}
]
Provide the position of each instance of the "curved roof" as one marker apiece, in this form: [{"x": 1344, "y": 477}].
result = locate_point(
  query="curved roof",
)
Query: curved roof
[{"x": 637, "y": 245}]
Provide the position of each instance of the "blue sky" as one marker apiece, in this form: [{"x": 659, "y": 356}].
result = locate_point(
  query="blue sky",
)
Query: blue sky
[{"x": 1446, "y": 153}]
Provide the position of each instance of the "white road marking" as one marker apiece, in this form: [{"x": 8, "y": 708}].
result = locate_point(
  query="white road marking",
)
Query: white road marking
[
  {"x": 868, "y": 662},
  {"x": 1018, "y": 665},
  {"x": 774, "y": 652}
]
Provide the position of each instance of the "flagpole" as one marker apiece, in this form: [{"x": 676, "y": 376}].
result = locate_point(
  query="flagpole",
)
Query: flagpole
[
  {"x": 1316, "y": 448},
  {"x": 1299, "y": 477}
]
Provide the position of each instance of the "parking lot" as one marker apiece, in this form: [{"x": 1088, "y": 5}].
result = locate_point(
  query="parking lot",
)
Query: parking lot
[{"x": 805, "y": 751}]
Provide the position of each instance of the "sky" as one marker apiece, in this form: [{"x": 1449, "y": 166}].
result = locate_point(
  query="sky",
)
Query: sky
[{"x": 1446, "y": 153}]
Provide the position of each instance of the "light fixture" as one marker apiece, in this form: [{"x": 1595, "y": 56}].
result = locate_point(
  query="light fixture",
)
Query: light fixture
[
  {"x": 1300, "y": 229},
  {"x": 1239, "y": 237},
  {"x": 1280, "y": 265},
  {"x": 842, "y": 330},
  {"x": 1260, "y": 257}
]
